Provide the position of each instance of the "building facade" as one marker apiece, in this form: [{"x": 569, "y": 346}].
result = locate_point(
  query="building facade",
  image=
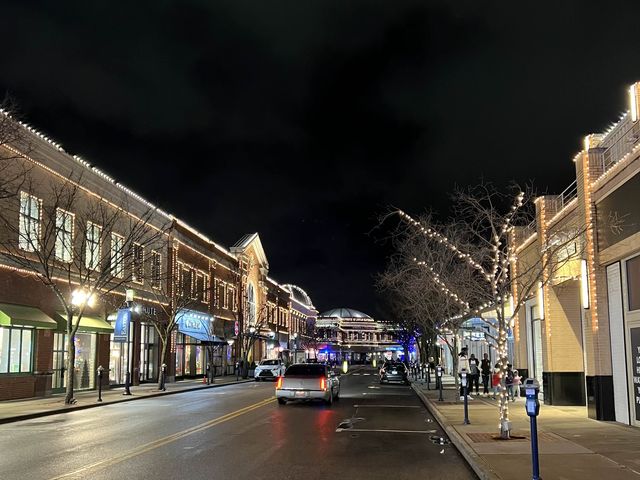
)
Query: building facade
[
  {"x": 579, "y": 333},
  {"x": 150, "y": 257}
]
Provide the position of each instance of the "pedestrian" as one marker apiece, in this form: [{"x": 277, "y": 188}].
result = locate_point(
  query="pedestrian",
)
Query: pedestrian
[
  {"x": 463, "y": 365},
  {"x": 485, "y": 370},
  {"x": 496, "y": 380},
  {"x": 474, "y": 370},
  {"x": 508, "y": 382},
  {"x": 517, "y": 381}
]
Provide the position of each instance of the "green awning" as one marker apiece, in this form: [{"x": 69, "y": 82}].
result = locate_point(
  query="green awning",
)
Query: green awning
[
  {"x": 87, "y": 324},
  {"x": 12, "y": 315}
]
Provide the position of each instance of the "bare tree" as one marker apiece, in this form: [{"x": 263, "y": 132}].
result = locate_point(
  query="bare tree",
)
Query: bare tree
[
  {"x": 14, "y": 145},
  {"x": 77, "y": 244},
  {"x": 175, "y": 293},
  {"x": 470, "y": 258}
]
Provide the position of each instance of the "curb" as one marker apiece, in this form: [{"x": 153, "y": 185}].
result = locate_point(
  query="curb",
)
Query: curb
[
  {"x": 479, "y": 466},
  {"x": 45, "y": 413}
]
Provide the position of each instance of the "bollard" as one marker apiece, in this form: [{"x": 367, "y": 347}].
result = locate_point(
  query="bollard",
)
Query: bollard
[
  {"x": 439, "y": 369},
  {"x": 532, "y": 405},
  {"x": 463, "y": 375},
  {"x": 100, "y": 370}
]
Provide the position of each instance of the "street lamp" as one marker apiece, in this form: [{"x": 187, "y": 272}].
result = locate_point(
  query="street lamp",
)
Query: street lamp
[{"x": 80, "y": 298}]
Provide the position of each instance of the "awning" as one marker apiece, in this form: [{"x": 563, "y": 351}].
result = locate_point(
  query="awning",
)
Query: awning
[
  {"x": 87, "y": 324},
  {"x": 12, "y": 315},
  {"x": 203, "y": 337}
]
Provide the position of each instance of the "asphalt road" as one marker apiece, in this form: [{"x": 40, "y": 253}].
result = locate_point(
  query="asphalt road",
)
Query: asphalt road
[{"x": 237, "y": 432}]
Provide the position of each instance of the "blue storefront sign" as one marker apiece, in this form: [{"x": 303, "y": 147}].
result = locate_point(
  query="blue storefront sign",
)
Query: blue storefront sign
[
  {"x": 121, "y": 328},
  {"x": 195, "y": 324}
]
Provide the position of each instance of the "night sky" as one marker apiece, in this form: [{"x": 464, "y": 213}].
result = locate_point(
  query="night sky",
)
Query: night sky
[{"x": 303, "y": 120}]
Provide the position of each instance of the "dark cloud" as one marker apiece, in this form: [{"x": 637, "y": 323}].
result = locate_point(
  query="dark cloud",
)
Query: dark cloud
[{"x": 304, "y": 120}]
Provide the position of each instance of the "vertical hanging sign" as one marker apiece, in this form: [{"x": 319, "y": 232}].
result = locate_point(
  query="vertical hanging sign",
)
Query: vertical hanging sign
[
  {"x": 121, "y": 328},
  {"x": 635, "y": 362}
]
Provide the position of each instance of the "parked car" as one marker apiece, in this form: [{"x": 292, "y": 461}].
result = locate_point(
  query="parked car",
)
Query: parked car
[
  {"x": 394, "y": 372},
  {"x": 269, "y": 369},
  {"x": 308, "y": 381}
]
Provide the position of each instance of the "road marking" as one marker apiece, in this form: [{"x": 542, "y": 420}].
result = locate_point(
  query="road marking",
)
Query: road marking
[
  {"x": 165, "y": 441},
  {"x": 382, "y": 430},
  {"x": 387, "y": 406}
]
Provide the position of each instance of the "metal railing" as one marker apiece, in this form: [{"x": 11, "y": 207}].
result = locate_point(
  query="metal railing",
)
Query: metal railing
[
  {"x": 619, "y": 142},
  {"x": 567, "y": 196}
]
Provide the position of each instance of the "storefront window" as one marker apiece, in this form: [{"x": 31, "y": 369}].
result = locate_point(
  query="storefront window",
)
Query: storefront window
[
  {"x": 84, "y": 366},
  {"x": 16, "y": 350},
  {"x": 119, "y": 356},
  {"x": 633, "y": 282}
]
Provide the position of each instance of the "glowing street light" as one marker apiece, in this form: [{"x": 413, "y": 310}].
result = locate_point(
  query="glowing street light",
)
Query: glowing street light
[{"x": 80, "y": 298}]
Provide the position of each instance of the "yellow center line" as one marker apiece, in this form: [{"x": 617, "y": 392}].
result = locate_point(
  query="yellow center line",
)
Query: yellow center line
[{"x": 166, "y": 440}]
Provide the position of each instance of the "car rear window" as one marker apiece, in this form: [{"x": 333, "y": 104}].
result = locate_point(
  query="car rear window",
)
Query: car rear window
[
  {"x": 269, "y": 362},
  {"x": 395, "y": 366},
  {"x": 306, "y": 370}
]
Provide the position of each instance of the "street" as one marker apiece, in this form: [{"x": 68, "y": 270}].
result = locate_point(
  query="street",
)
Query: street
[{"x": 373, "y": 431}]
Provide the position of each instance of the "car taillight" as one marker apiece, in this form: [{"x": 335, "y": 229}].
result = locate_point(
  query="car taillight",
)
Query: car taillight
[
  {"x": 279, "y": 383},
  {"x": 323, "y": 384}
]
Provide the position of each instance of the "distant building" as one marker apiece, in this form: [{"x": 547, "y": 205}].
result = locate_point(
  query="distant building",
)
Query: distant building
[{"x": 345, "y": 333}]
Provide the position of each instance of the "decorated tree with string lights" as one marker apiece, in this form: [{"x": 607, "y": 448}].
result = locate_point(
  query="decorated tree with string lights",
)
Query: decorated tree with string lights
[{"x": 471, "y": 260}]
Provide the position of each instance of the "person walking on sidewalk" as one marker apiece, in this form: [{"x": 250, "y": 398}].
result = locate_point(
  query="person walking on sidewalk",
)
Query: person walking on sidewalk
[
  {"x": 474, "y": 370},
  {"x": 463, "y": 364},
  {"x": 496, "y": 380},
  {"x": 485, "y": 370},
  {"x": 517, "y": 380},
  {"x": 508, "y": 382}
]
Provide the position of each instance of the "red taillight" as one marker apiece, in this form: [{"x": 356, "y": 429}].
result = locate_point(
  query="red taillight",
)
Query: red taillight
[
  {"x": 323, "y": 384},
  {"x": 279, "y": 383}
]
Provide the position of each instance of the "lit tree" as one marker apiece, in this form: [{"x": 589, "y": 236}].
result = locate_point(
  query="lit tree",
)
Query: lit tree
[
  {"x": 81, "y": 246},
  {"x": 480, "y": 251}
]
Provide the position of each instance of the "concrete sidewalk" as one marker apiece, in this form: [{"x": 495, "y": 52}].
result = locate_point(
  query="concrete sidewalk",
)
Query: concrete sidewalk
[
  {"x": 571, "y": 445},
  {"x": 16, "y": 410}
]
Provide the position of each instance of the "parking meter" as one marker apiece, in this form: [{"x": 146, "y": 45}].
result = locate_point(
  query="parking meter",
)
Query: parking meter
[
  {"x": 463, "y": 377},
  {"x": 439, "y": 371},
  {"x": 532, "y": 405}
]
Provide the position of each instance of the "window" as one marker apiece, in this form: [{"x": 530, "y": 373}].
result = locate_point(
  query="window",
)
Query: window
[
  {"x": 234, "y": 300},
  {"x": 185, "y": 282},
  {"x": 29, "y": 228},
  {"x": 200, "y": 288},
  {"x": 220, "y": 294},
  {"x": 64, "y": 235},
  {"x": 230, "y": 295},
  {"x": 633, "y": 282},
  {"x": 117, "y": 255},
  {"x": 92, "y": 247},
  {"x": 16, "y": 350},
  {"x": 251, "y": 304},
  {"x": 137, "y": 274},
  {"x": 155, "y": 269}
]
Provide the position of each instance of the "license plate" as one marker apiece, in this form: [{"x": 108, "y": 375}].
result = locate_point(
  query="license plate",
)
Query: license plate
[
  {"x": 300, "y": 394},
  {"x": 394, "y": 372}
]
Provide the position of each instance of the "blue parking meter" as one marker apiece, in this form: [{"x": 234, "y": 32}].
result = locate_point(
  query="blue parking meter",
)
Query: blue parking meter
[{"x": 532, "y": 406}]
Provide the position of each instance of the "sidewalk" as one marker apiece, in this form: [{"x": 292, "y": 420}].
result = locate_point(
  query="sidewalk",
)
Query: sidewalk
[
  {"x": 16, "y": 410},
  {"x": 571, "y": 445}
]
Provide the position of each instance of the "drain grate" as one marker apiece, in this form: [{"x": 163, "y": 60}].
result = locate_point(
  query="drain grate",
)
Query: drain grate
[{"x": 492, "y": 437}]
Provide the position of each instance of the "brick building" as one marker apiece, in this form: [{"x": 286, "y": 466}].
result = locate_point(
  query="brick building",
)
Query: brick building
[{"x": 226, "y": 290}]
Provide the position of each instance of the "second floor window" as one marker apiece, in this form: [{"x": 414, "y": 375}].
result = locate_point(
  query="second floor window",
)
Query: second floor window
[
  {"x": 64, "y": 235},
  {"x": 138, "y": 263},
  {"x": 117, "y": 255},
  {"x": 93, "y": 247},
  {"x": 29, "y": 228},
  {"x": 155, "y": 269}
]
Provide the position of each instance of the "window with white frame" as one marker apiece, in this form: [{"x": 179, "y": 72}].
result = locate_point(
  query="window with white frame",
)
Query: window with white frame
[
  {"x": 200, "y": 287},
  {"x": 251, "y": 304},
  {"x": 16, "y": 350},
  {"x": 137, "y": 274},
  {"x": 117, "y": 255},
  {"x": 92, "y": 246},
  {"x": 64, "y": 235},
  {"x": 29, "y": 227},
  {"x": 155, "y": 269}
]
